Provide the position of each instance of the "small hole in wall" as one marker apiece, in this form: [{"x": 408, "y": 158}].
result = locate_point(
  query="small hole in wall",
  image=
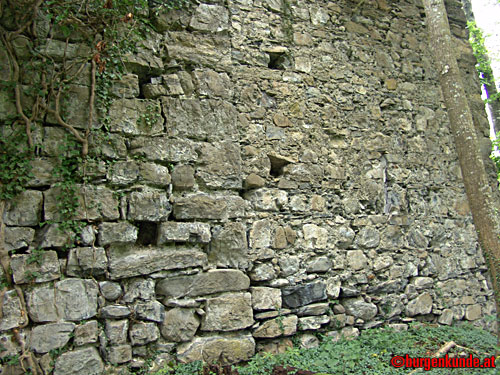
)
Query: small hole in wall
[
  {"x": 147, "y": 233},
  {"x": 277, "y": 164},
  {"x": 278, "y": 60}
]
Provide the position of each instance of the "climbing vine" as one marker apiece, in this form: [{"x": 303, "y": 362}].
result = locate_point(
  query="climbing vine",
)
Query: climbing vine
[
  {"x": 37, "y": 43},
  {"x": 483, "y": 66}
]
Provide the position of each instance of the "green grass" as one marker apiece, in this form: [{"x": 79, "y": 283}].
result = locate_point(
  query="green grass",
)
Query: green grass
[{"x": 371, "y": 352}]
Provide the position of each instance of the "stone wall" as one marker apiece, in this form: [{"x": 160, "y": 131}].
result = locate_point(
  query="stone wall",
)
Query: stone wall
[{"x": 297, "y": 176}]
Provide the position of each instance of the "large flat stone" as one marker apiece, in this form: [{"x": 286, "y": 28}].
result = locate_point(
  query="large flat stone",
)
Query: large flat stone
[
  {"x": 281, "y": 326},
  {"x": 132, "y": 260},
  {"x": 203, "y": 120},
  {"x": 180, "y": 325},
  {"x": 148, "y": 205},
  {"x": 163, "y": 149},
  {"x": 220, "y": 165},
  {"x": 11, "y": 310},
  {"x": 171, "y": 231},
  {"x": 210, "y": 18},
  {"x": 87, "y": 261},
  {"x": 136, "y": 117},
  {"x": 223, "y": 349},
  {"x": 36, "y": 268},
  {"x": 50, "y": 336},
  {"x": 204, "y": 206},
  {"x": 302, "y": 295},
  {"x": 18, "y": 237},
  {"x": 94, "y": 203},
  {"x": 213, "y": 281},
  {"x": 358, "y": 308},
  {"x": 25, "y": 209},
  {"x": 76, "y": 299},
  {"x": 79, "y": 362},
  {"x": 229, "y": 246},
  {"x": 69, "y": 299},
  {"x": 121, "y": 232},
  {"x": 228, "y": 312}
]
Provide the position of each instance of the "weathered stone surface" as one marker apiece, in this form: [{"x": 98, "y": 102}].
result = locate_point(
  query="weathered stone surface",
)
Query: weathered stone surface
[
  {"x": 145, "y": 61},
  {"x": 152, "y": 310},
  {"x": 115, "y": 311},
  {"x": 210, "y": 18},
  {"x": 11, "y": 311},
  {"x": 213, "y": 281},
  {"x": 154, "y": 174},
  {"x": 446, "y": 317},
  {"x": 203, "y": 120},
  {"x": 302, "y": 295},
  {"x": 229, "y": 312},
  {"x": 203, "y": 206},
  {"x": 367, "y": 238},
  {"x": 264, "y": 298},
  {"x": 18, "y": 237},
  {"x": 123, "y": 173},
  {"x": 143, "y": 333},
  {"x": 356, "y": 260},
  {"x": 87, "y": 261},
  {"x": 119, "y": 354},
  {"x": 75, "y": 113},
  {"x": 116, "y": 331},
  {"x": 319, "y": 264},
  {"x": 131, "y": 260},
  {"x": 79, "y": 362},
  {"x": 314, "y": 309},
  {"x": 212, "y": 84},
  {"x": 313, "y": 322},
  {"x": 229, "y": 246},
  {"x": 263, "y": 272},
  {"x": 267, "y": 199},
  {"x": 148, "y": 205},
  {"x": 120, "y": 232},
  {"x": 254, "y": 181},
  {"x": 473, "y": 312},
  {"x": 51, "y": 236},
  {"x": 94, "y": 203},
  {"x": 135, "y": 117},
  {"x": 281, "y": 326},
  {"x": 50, "y": 336},
  {"x": 183, "y": 177},
  {"x": 227, "y": 349},
  {"x": 164, "y": 149},
  {"x": 180, "y": 325},
  {"x": 183, "y": 232},
  {"x": 127, "y": 87},
  {"x": 212, "y": 51},
  {"x": 260, "y": 234},
  {"x": 110, "y": 290},
  {"x": 358, "y": 308},
  {"x": 35, "y": 267},
  {"x": 25, "y": 209},
  {"x": 289, "y": 265},
  {"x": 142, "y": 289},
  {"x": 86, "y": 333},
  {"x": 315, "y": 236},
  {"x": 420, "y": 305},
  {"x": 333, "y": 287},
  {"x": 76, "y": 299},
  {"x": 220, "y": 165}
]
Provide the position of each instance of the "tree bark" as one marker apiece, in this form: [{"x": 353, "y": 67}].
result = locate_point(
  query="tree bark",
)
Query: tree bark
[{"x": 477, "y": 186}]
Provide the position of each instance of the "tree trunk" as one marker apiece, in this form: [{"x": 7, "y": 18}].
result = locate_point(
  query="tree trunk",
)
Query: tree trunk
[{"x": 482, "y": 204}]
